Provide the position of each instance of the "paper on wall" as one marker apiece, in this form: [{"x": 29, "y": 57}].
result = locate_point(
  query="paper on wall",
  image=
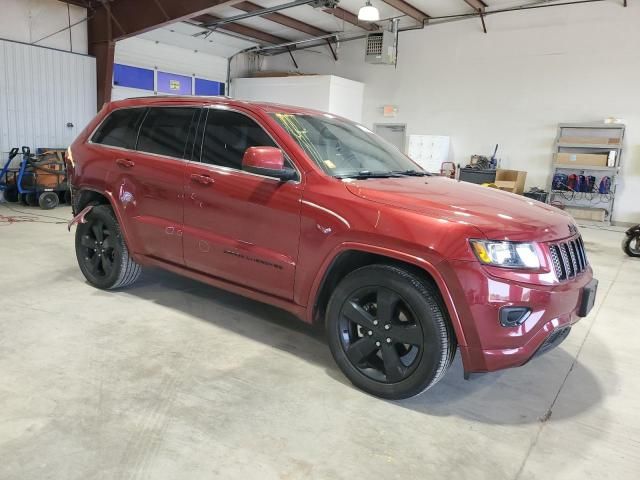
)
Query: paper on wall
[{"x": 429, "y": 151}]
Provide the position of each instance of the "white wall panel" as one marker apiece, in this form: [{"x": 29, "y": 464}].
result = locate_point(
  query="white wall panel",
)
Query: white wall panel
[
  {"x": 41, "y": 90},
  {"x": 31, "y": 20}
]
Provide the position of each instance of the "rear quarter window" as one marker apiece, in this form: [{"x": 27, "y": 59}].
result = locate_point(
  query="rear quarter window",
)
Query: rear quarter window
[
  {"x": 120, "y": 129},
  {"x": 165, "y": 131}
]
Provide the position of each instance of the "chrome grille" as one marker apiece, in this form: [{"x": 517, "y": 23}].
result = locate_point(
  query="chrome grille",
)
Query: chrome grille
[{"x": 568, "y": 258}]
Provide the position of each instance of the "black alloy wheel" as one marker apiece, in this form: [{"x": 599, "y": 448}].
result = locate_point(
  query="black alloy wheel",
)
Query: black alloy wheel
[
  {"x": 389, "y": 332},
  {"x": 380, "y": 335},
  {"x": 101, "y": 251},
  {"x": 98, "y": 249}
]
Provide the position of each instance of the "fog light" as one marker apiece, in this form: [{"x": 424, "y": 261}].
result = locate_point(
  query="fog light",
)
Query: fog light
[{"x": 513, "y": 316}]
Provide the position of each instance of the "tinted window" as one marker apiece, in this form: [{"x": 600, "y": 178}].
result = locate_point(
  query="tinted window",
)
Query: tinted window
[
  {"x": 120, "y": 129},
  {"x": 165, "y": 131},
  {"x": 228, "y": 135}
]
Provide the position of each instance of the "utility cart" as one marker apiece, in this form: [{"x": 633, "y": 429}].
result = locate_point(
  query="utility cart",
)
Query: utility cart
[{"x": 38, "y": 179}]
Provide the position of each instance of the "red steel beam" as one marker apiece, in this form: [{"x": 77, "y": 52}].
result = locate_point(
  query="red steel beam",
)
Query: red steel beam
[
  {"x": 349, "y": 17},
  {"x": 135, "y": 17},
  {"x": 408, "y": 9},
  {"x": 282, "y": 19},
  {"x": 102, "y": 46}
]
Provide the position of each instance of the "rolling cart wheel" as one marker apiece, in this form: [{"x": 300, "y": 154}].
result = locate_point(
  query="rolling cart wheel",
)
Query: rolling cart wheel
[
  {"x": 32, "y": 199},
  {"x": 48, "y": 200},
  {"x": 23, "y": 199},
  {"x": 11, "y": 194}
]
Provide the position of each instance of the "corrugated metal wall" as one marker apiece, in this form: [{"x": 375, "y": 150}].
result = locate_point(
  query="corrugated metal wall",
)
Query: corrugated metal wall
[{"x": 41, "y": 90}]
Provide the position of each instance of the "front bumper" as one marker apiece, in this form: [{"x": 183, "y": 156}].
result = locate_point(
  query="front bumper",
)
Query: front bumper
[{"x": 479, "y": 295}]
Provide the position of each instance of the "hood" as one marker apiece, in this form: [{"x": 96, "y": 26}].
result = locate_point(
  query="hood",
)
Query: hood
[{"x": 499, "y": 215}]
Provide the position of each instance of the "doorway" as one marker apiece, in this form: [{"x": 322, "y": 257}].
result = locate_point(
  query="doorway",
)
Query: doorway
[{"x": 394, "y": 133}]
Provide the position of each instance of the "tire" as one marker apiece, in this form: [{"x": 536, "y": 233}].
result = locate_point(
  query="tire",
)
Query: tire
[
  {"x": 105, "y": 265},
  {"x": 11, "y": 194},
  {"x": 23, "y": 199},
  {"x": 363, "y": 339},
  {"x": 32, "y": 199},
  {"x": 48, "y": 200},
  {"x": 631, "y": 245}
]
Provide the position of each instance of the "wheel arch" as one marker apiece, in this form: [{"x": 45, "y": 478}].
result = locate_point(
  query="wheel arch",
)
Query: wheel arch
[
  {"x": 351, "y": 257},
  {"x": 87, "y": 196}
]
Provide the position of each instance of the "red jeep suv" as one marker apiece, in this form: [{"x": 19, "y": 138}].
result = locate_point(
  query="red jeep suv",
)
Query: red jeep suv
[{"x": 317, "y": 215}]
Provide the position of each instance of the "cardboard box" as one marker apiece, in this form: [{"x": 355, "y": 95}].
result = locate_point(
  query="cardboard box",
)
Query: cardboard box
[
  {"x": 590, "y": 159},
  {"x": 592, "y": 214},
  {"x": 604, "y": 141},
  {"x": 510, "y": 180}
]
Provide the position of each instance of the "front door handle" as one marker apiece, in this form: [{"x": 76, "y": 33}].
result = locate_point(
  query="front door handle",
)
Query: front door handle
[
  {"x": 125, "y": 162},
  {"x": 203, "y": 179}
]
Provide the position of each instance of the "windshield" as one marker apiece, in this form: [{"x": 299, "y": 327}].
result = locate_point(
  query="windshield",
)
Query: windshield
[{"x": 343, "y": 149}]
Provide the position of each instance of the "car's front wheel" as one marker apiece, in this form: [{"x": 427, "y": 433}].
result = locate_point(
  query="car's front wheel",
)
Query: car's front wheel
[
  {"x": 388, "y": 331},
  {"x": 101, "y": 251}
]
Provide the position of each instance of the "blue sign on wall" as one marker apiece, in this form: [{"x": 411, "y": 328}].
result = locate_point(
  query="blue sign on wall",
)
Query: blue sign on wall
[{"x": 133, "y": 77}]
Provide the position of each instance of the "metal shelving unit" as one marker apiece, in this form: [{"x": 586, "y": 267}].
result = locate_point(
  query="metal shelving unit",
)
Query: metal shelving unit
[{"x": 568, "y": 141}]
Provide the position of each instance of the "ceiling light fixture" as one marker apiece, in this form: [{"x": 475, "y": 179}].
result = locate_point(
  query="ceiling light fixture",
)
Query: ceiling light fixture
[{"x": 369, "y": 13}]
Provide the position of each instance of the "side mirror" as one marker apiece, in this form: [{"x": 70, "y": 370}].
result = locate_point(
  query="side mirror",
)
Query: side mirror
[{"x": 268, "y": 161}]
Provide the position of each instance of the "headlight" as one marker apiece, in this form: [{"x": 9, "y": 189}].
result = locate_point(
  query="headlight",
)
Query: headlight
[{"x": 506, "y": 254}]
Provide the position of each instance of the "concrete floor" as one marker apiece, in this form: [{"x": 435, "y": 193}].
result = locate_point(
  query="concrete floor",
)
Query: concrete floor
[{"x": 174, "y": 379}]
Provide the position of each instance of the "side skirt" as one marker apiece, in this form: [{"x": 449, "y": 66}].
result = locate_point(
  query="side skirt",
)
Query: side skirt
[{"x": 297, "y": 310}]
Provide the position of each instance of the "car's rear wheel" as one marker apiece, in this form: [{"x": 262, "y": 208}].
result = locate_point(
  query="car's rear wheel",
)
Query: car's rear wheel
[
  {"x": 631, "y": 245},
  {"x": 101, "y": 251},
  {"x": 389, "y": 332}
]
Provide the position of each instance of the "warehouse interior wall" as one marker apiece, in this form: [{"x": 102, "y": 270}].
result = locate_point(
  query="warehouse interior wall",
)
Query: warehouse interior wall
[
  {"x": 47, "y": 87},
  {"x": 512, "y": 86},
  {"x": 47, "y": 96},
  {"x": 29, "y": 21}
]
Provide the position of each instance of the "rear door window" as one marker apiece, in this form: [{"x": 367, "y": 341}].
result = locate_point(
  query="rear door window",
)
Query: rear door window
[
  {"x": 165, "y": 130},
  {"x": 120, "y": 129}
]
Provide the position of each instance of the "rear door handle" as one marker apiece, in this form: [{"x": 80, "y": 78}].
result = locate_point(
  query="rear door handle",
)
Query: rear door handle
[
  {"x": 125, "y": 162},
  {"x": 203, "y": 179}
]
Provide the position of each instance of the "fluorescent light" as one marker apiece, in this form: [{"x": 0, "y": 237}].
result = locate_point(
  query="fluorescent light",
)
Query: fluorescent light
[{"x": 369, "y": 13}]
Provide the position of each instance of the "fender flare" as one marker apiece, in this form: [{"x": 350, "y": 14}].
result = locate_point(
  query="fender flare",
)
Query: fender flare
[{"x": 418, "y": 262}]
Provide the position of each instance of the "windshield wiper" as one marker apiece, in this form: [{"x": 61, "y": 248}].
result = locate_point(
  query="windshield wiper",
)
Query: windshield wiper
[
  {"x": 412, "y": 173},
  {"x": 364, "y": 174}
]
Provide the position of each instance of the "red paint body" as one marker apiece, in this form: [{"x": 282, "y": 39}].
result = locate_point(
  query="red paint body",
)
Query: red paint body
[{"x": 274, "y": 241}]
